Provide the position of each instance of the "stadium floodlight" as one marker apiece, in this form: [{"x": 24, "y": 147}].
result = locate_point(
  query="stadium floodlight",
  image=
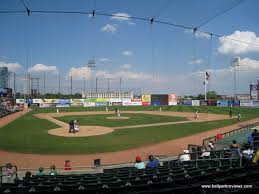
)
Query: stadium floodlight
[
  {"x": 91, "y": 65},
  {"x": 235, "y": 63}
]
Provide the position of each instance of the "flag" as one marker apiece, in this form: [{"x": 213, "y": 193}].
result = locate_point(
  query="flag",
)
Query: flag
[{"x": 207, "y": 77}]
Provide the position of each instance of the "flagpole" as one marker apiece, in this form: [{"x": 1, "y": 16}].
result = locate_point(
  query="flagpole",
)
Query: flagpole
[{"x": 205, "y": 85}]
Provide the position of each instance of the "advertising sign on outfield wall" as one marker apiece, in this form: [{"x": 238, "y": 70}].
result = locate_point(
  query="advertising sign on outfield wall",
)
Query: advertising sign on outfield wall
[
  {"x": 132, "y": 103},
  {"x": 63, "y": 103},
  {"x": 136, "y": 100},
  {"x": 76, "y": 102},
  {"x": 195, "y": 103},
  {"x": 222, "y": 103},
  {"x": 146, "y": 98},
  {"x": 45, "y": 105},
  {"x": 89, "y": 104},
  {"x": 116, "y": 103},
  {"x": 146, "y": 103},
  {"x": 233, "y": 103},
  {"x": 50, "y": 101},
  {"x": 101, "y": 103},
  {"x": 19, "y": 101},
  {"x": 37, "y": 101},
  {"x": 248, "y": 103},
  {"x": 172, "y": 99},
  {"x": 96, "y": 100},
  {"x": 187, "y": 102},
  {"x": 115, "y": 100},
  {"x": 203, "y": 102}
]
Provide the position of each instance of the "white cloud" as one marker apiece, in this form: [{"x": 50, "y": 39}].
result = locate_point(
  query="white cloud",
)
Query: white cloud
[
  {"x": 13, "y": 67},
  {"x": 123, "y": 17},
  {"x": 197, "y": 61},
  {"x": 247, "y": 64},
  {"x": 109, "y": 28},
  {"x": 127, "y": 53},
  {"x": 105, "y": 60},
  {"x": 38, "y": 68},
  {"x": 120, "y": 16},
  {"x": 79, "y": 73},
  {"x": 228, "y": 46},
  {"x": 126, "y": 66},
  {"x": 131, "y": 23},
  {"x": 198, "y": 34}
]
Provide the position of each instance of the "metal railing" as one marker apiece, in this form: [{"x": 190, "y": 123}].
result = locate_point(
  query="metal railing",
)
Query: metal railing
[
  {"x": 230, "y": 133},
  {"x": 217, "y": 156}
]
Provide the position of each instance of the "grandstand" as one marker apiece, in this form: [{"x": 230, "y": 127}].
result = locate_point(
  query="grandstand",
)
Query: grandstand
[
  {"x": 197, "y": 175},
  {"x": 4, "y": 111},
  {"x": 222, "y": 167}
]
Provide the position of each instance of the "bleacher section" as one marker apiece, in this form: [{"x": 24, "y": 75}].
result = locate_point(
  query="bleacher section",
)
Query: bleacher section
[
  {"x": 6, "y": 111},
  {"x": 222, "y": 167}
]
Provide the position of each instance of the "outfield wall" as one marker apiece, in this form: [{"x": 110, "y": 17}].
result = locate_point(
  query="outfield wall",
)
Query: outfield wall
[{"x": 146, "y": 100}]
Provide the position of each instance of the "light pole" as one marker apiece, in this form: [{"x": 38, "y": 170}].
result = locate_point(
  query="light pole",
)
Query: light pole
[
  {"x": 234, "y": 64},
  {"x": 91, "y": 65}
]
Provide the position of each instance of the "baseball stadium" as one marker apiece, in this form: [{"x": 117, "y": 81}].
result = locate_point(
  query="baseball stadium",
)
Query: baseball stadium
[{"x": 70, "y": 129}]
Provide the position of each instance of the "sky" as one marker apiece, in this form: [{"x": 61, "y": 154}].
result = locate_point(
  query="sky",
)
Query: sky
[{"x": 149, "y": 58}]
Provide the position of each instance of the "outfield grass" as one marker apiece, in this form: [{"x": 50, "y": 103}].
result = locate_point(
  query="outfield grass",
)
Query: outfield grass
[
  {"x": 134, "y": 119},
  {"x": 245, "y": 112},
  {"x": 29, "y": 134}
]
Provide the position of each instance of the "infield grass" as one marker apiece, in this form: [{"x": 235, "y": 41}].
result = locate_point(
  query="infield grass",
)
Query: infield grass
[{"x": 134, "y": 119}]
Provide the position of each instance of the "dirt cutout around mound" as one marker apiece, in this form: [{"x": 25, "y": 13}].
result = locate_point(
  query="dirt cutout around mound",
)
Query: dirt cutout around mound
[{"x": 83, "y": 131}]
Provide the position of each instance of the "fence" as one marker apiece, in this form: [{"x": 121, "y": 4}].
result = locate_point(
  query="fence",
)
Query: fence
[{"x": 230, "y": 133}]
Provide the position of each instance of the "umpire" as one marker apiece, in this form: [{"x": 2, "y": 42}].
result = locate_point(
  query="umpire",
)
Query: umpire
[{"x": 71, "y": 126}]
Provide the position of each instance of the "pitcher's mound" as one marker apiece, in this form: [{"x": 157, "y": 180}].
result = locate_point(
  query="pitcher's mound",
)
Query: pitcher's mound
[
  {"x": 117, "y": 118},
  {"x": 83, "y": 132}
]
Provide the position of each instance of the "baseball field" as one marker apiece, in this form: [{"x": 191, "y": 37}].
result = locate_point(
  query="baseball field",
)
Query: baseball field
[{"x": 40, "y": 137}]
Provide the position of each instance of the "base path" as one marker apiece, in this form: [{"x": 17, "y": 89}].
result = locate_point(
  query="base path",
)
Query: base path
[{"x": 172, "y": 147}]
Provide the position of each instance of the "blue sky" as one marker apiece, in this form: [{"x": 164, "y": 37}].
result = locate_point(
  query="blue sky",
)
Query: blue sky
[{"x": 152, "y": 58}]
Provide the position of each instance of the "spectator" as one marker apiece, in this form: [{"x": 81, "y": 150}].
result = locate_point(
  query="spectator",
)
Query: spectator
[
  {"x": 205, "y": 153},
  {"x": 53, "y": 171},
  {"x": 186, "y": 156},
  {"x": 234, "y": 145},
  {"x": 256, "y": 158},
  {"x": 254, "y": 133},
  {"x": 27, "y": 175},
  {"x": 153, "y": 162},
  {"x": 41, "y": 172},
  {"x": 67, "y": 165},
  {"x": 247, "y": 152},
  {"x": 9, "y": 172},
  {"x": 210, "y": 146},
  {"x": 139, "y": 164},
  {"x": 219, "y": 136},
  {"x": 251, "y": 136}
]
